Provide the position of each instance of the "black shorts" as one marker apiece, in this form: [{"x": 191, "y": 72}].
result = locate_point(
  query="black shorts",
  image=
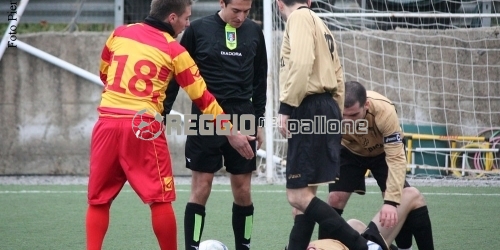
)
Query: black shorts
[
  {"x": 313, "y": 158},
  {"x": 353, "y": 170},
  {"x": 207, "y": 153}
]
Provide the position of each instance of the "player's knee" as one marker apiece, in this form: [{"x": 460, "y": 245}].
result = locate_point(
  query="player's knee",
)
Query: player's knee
[
  {"x": 242, "y": 197},
  {"x": 295, "y": 201},
  {"x": 241, "y": 188},
  {"x": 200, "y": 190},
  {"x": 162, "y": 207},
  {"x": 202, "y": 187},
  {"x": 357, "y": 225},
  {"x": 295, "y": 212},
  {"x": 300, "y": 199},
  {"x": 199, "y": 196},
  {"x": 414, "y": 196},
  {"x": 338, "y": 199}
]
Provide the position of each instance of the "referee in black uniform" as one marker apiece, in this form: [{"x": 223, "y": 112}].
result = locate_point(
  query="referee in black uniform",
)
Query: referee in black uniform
[{"x": 230, "y": 52}]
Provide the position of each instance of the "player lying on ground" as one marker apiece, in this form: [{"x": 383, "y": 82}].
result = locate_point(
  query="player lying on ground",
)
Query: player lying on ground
[{"x": 411, "y": 200}]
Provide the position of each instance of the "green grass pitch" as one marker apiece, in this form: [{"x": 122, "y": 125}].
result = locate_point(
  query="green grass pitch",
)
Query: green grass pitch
[{"x": 53, "y": 217}]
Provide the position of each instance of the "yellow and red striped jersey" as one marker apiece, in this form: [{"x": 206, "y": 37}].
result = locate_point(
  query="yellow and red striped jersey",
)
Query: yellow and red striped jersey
[{"x": 137, "y": 64}]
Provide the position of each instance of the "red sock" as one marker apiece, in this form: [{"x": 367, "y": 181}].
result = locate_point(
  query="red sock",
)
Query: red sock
[
  {"x": 164, "y": 225},
  {"x": 96, "y": 225}
]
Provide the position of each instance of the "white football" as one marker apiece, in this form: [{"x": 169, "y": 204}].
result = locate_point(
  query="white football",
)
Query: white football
[{"x": 212, "y": 245}]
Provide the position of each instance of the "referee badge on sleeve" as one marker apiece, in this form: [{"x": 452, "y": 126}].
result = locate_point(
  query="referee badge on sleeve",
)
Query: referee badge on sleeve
[{"x": 231, "y": 42}]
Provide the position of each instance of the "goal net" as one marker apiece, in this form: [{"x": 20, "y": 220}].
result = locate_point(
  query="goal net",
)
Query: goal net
[{"x": 441, "y": 70}]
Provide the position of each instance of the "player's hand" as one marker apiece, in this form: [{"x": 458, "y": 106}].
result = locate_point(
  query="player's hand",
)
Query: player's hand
[
  {"x": 388, "y": 216},
  {"x": 283, "y": 126},
  {"x": 241, "y": 144},
  {"x": 260, "y": 138}
]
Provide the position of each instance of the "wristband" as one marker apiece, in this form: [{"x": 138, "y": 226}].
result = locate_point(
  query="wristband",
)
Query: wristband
[{"x": 392, "y": 203}]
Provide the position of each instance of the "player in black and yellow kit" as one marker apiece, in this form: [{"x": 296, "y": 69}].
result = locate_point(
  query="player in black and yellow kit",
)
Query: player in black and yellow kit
[
  {"x": 230, "y": 52},
  {"x": 381, "y": 150},
  {"x": 311, "y": 85},
  {"x": 411, "y": 199}
]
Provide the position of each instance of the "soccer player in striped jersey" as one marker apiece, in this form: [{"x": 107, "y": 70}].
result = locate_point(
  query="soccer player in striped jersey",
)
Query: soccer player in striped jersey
[
  {"x": 311, "y": 85},
  {"x": 137, "y": 63}
]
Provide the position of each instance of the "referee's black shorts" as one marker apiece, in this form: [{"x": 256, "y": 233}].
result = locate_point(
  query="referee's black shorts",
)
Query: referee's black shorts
[
  {"x": 208, "y": 153},
  {"x": 353, "y": 169},
  {"x": 313, "y": 158}
]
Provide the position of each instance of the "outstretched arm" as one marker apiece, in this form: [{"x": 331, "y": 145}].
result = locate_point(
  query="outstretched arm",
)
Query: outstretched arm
[
  {"x": 387, "y": 123},
  {"x": 411, "y": 199},
  {"x": 189, "y": 43},
  {"x": 187, "y": 76}
]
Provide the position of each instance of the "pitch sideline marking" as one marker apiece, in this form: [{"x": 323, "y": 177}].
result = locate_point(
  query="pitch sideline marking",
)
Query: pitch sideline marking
[{"x": 214, "y": 190}]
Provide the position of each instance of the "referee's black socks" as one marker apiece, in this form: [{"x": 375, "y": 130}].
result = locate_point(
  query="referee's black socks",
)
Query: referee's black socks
[
  {"x": 335, "y": 226},
  {"x": 194, "y": 220},
  {"x": 242, "y": 226}
]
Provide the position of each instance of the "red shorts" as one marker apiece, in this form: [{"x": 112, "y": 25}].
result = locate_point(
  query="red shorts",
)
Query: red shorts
[{"x": 117, "y": 155}]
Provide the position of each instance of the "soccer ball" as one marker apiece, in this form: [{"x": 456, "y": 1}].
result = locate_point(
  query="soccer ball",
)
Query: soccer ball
[{"x": 212, "y": 245}]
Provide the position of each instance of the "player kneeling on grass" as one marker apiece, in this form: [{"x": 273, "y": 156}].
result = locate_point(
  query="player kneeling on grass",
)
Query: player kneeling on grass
[{"x": 382, "y": 236}]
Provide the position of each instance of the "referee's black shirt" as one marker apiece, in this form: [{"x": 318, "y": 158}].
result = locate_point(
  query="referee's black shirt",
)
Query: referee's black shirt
[{"x": 240, "y": 73}]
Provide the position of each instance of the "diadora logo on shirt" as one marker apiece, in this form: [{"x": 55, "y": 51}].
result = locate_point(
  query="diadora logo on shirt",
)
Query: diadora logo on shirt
[{"x": 228, "y": 53}]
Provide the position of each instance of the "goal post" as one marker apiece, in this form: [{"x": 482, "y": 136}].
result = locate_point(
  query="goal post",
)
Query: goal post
[{"x": 435, "y": 68}]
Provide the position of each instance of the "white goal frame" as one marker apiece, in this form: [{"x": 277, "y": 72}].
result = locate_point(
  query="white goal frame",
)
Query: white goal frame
[{"x": 268, "y": 14}]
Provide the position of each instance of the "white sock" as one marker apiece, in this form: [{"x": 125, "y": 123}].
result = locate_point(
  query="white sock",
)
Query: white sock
[{"x": 373, "y": 246}]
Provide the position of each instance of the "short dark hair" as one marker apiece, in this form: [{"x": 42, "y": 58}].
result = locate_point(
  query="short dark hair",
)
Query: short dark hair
[
  {"x": 292, "y": 2},
  {"x": 226, "y": 2},
  {"x": 354, "y": 92},
  {"x": 160, "y": 9}
]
